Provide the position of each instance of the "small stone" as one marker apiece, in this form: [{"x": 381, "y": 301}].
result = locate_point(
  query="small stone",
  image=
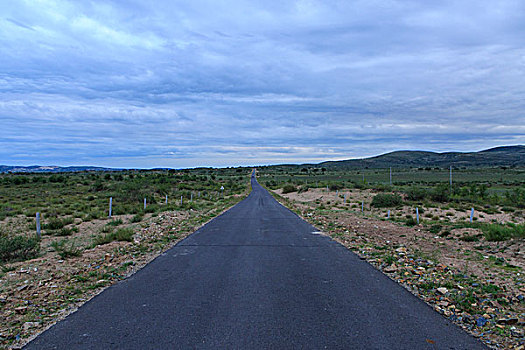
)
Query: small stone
[
  {"x": 508, "y": 321},
  {"x": 442, "y": 290},
  {"x": 481, "y": 321},
  {"x": 21, "y": 309},
  {"x": 390, "y": 269},
  {"x": 21, "y": 288},
  {"x": 517, "y": 333},
  {"x": 29, "y": 325}
]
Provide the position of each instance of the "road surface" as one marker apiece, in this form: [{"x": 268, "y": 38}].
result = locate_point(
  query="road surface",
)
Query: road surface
[{"x": 256, "y": 277}]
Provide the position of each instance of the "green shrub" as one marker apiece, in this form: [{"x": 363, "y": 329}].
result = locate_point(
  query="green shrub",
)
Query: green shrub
[
  {"x": 416, "y": 193},
  {"x": 335, "y": 187},
  {"x": 115, "y": 222},
  {"x": 137, "y": 218},
  {"x": 303, "y": 188},
  {"x": 288, "y": 188},
  {"x": 66, "y": 231},
  {"x": 468, "y": 238},
  {"x": 410, "y": 221},
  {"x": 440, "y": 194},
  {"x": 435, "y": 229},
  {"x": 18, "y": 248},
  {"x": 383, "y": 200},
  {"x": 57, "y": 224},
  {"x": 498, "y": 232},
  {"x": 122, "y": 234},
  {"x": 66, "y": 249}
]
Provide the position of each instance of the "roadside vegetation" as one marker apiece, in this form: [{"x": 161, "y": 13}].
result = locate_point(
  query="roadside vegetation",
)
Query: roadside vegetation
[
  {"x": 460, "y": 248},
  {"x": 81, "y": 249}
]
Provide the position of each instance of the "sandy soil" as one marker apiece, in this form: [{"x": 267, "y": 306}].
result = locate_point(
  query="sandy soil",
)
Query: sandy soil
[
  {"x": 414, "y": 250},
  {"x": 35, "y": 294}
]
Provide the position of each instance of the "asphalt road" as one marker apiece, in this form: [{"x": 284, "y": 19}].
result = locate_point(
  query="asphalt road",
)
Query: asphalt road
[{"x": 256, "y": 277}]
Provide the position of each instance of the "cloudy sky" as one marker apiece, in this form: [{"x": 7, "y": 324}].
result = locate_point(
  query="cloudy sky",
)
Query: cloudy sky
[{"x": 226, "y": 83}]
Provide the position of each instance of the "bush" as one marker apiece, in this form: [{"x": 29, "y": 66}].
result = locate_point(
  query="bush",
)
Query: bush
[
  {"x": 497, "y": 232},
  {"x": 303, "y": 188},
  {"x": 115, "y": 222},
  {"x": 335, "y": 187},
  {"x": 435, "y": 229},
  {"x": 289, "y": 188},
  {"x": 57, "y": 224},
  {"x": 386, "y": 200},
  {"x": 468, "y": 238},
  {"x": 137, "y": 218},
  {"x": 410, "y": 221},
  {"x": 440, "y": 194},
  {"x": 18, "y": 248},
  {"x": 416, "y": 193},
  {"x": 66, "y": 231},
  {"x": 122, "y": 234},
  {"x": 66, "y": 250}
]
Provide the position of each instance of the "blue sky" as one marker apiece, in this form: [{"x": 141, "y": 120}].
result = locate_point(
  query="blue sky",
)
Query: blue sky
[{"x": 227, "y": 83}]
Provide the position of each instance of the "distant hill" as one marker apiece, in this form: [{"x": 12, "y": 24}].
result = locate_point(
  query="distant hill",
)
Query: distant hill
[
  {"x": 50, "y": 169},
  {"x": 494, "y": 157}
]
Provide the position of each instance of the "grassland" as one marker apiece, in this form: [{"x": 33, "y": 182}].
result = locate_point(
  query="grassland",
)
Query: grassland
[
  {"x": 469, "y": 271},
  {"x": 81, "y": 249}
]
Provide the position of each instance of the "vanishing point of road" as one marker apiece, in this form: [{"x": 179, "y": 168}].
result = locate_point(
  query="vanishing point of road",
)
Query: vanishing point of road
[{"x": 256, "y": 277}]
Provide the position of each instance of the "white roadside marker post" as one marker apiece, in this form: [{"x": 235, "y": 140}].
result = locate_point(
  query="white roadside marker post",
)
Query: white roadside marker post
[
  {"x": 471, "y": 214},
  {"x": 388, "y": 215},
  {"x": 191, "y": 197},
  {"x": 110, "y": 205},
  {"x": 390, "y": 176},
  {"x": 417, "y": 215},
  {"x": 450, "y": 177},
  {"x": 38, "y": 234},
  {"x": 362, "y": 206},
  {"x": 145, "y": 204},
  {"x": 166, "y": 199},
  {"x": 180, "y": 200}
]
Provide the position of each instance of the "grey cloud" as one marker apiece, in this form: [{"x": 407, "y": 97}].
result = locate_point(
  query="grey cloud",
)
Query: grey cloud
[{"x": 182, "y": 83}]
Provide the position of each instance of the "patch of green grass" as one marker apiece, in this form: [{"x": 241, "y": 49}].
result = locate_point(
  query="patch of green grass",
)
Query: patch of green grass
[
  {"x": 116, "y": 222},
  {"x": 122, "y": 234},
  {"x": 67, "y": 249},
  {"x": 385, "y": 200},
  {"x": 18, "y": 248},
  {"x": 468, "y": 238},
  {"x": 498, "y": 232},
  {"x": 137, "y": 218},
  {"x": 289, "y": 188},
  {"x": 65, "y": 231},
  {"x": 57, "y": 224},
  {"x": 435, "y": 229}
]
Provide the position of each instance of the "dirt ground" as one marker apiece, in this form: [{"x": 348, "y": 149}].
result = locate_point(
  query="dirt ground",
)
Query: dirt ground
[
  {"x": 483, "y": 281},
  {"x": 355, "y": 198},
  {"x": 35, "y": 294}
]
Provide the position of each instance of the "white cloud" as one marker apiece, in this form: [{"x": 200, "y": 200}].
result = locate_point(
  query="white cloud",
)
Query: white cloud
[{"x": 168, "y": 83}]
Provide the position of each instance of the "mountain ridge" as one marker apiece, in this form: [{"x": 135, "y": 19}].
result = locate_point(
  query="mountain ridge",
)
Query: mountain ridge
[{"x": 508, "y": 156}]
